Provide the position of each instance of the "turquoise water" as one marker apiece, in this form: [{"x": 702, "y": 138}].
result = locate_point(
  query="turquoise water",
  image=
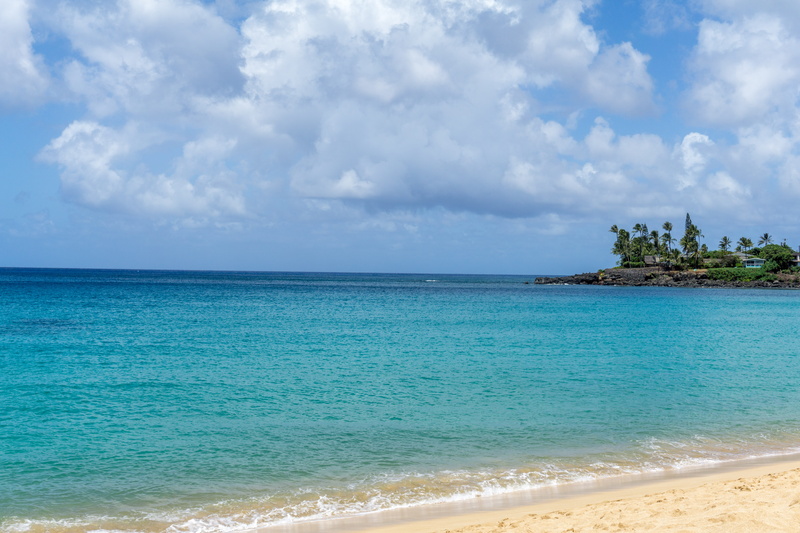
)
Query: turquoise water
[{"x": 203, "y": 402}]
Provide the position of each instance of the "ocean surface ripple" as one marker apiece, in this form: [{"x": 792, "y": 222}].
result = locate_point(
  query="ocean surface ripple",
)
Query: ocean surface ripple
[{"x": 208, "y": 402}]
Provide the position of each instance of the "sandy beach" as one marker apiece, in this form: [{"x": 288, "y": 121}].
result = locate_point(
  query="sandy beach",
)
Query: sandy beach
[{"x": 763, "y": 498}]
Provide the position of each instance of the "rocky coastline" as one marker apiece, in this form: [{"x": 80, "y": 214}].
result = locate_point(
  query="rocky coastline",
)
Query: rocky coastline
[{"x": 658, "y": 277}]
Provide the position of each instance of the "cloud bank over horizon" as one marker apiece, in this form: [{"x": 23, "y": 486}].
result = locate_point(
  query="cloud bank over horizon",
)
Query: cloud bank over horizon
[{"x": 399, "y": 118}]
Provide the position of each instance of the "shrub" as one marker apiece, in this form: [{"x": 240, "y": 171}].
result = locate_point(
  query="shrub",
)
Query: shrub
[
  {"x": 729, "y": 274},
  {"x": 716, "y": 254},
  {"x": 729, "y": 261},
  {"x": 778, "y": 257},
  {"x": 740, "y": 274}
]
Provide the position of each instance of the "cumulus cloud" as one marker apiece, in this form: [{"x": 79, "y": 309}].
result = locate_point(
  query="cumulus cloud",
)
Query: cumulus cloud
[
  {"x": 411, "y": 105},
  {"x": 388, "y": 115},
  {"x": 618, "y": 80},
  {"x": 727, "y": 189},
  {"x": 91, "y": 157},
  {"x": 24, "y": 76},
  {"x": 384, "y": 105},
  {"x": 561, "y": 49},
  {"x": 745, "y": 80},
  {"x": 148, "y": 57},
  {"x": 693, "y": 153},
  {"x": 745, "y": 69},
  {"x": 702, "y": 182}
]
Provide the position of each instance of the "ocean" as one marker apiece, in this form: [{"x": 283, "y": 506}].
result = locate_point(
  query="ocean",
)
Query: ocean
[{"x": 164, "y": 401}]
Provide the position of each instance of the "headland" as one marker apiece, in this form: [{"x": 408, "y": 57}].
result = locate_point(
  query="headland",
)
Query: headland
[{"x": 659, "y": 277}]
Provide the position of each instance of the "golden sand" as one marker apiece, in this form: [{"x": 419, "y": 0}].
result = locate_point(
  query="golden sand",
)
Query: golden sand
[{"x": 765, "y": 498}]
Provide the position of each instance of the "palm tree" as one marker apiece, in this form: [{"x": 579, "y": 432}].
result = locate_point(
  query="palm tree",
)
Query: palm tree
[
  {"x": 666, "y": 238},
  {"x": 614, "y": 229},
  {"x": 656, "y": 240},
  {"x": 765, "y": 239},
  {"x": 622, "y": 246},
  {"x": 640, "y": 230},
  {"x": 724, "y": 244},
  {"x": 691, "y": 248},
  {"x": 745, "y": 243}
]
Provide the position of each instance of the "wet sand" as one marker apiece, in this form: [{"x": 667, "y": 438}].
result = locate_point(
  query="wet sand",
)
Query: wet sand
[
  {"x": 748, "y": 496},
  {"x": 756, "y": 499}
]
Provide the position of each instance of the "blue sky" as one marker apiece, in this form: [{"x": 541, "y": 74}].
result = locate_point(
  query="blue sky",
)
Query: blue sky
[{"x": 484, "y": 136}]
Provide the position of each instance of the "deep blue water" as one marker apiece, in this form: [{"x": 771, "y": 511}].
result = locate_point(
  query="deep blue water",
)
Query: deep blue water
[{"x": 213, "y": 401}]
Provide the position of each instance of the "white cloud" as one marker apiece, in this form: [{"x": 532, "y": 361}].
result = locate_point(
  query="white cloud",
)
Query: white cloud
[
  {"x": 725, "y": 188},
  {"x": 24, "y": 78},
  {"x": 618, "y": 80},
  {"x": 745, "y": 70},
  {"x": 384, "y": 104},
  {"x": 788, "y": 10},
  {"x": 638, "y": 154},
  {"x": 789, "y": 176},
  {"x": 693, "y": 156},
  {"x": 93, "y": 175},
  {"x": 694, "y": 160},
  {"x": 745, "y": 80},
  {"x": 148, "y": 57},
  {"x": 85, "y": 151},
  {"x": 398, "y": 103},
  {"x": 393, "y": 116},
  {"x": 560, "y": 47},
  {"x": 764, "y": 144}
]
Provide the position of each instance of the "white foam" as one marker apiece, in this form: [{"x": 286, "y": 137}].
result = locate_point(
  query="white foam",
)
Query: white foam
[{"x": 403, "y": 490}]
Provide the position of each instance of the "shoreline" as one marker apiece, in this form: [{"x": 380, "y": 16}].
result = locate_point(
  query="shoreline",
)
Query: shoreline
[
  {"x": 587, "y": 502},
  {"x": 759, "y": 498},
  {"x": 657, "y": 277}
]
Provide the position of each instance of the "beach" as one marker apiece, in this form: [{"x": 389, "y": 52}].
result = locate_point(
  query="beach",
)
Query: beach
[
  {"x": 762, "y": 498},
  {"x": 210, "y": 402}
]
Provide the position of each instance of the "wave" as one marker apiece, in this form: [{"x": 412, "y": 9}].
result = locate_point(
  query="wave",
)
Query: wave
[{"x": 392, "y": 491}]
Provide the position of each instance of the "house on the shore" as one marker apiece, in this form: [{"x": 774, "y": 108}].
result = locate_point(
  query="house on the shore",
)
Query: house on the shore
[{"x": 754, "y": 262}]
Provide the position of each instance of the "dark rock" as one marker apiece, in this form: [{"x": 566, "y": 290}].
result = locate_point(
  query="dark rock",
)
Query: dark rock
[{"x": 656, "y": 277}]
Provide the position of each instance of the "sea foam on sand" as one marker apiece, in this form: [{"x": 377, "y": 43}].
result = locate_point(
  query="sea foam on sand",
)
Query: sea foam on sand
[{"x": 758, "y": 499}]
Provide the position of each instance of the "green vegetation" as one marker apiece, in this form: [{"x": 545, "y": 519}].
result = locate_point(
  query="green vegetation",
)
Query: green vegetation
[
  {"x": 635, "y": 246},
  {"x": 716, "y": 254},
  {"x": 778, "y": 256},
  {"x": 741, "y": 274},
  {"x": 640, "y": 247},
  {"x": 744, "y": 244}
]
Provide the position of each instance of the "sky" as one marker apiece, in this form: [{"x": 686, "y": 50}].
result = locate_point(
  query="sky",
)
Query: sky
[{"x": 432, "y": 136}]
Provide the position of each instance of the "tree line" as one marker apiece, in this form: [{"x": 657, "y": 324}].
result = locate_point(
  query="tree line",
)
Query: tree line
[{"x": 633, "y": 246}]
